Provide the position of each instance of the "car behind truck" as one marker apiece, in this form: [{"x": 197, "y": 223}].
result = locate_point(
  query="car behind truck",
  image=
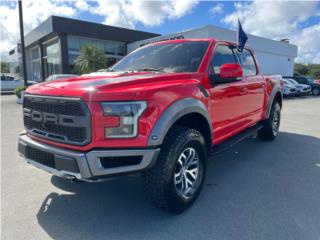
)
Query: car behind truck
[{"x": 161, "y": 110}]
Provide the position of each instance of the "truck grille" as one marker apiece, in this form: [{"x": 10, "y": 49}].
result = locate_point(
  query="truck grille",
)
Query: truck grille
[
  {"x": 40, "y": 156},
  {"x": 65, "y": 120}
]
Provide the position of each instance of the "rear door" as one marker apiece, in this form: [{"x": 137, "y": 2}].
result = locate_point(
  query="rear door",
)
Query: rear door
[
  {"x": 228, "y": 99},
  {"x": 255, "y": 86}
]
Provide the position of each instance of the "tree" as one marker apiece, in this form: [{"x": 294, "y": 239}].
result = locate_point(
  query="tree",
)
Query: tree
[
  {"x": 5, "y": 67},
  {"x": 301, "y": 69},
  {"x": 90, "y": 59},
  {"x": 312, "y": 70}
]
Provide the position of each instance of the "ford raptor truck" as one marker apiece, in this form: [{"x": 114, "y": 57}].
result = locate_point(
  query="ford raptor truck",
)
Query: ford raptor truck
[{"x": 161, "y": 110}]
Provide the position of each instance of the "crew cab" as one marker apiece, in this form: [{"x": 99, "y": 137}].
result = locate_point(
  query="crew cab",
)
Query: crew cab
[{"x": 160, "y": 111}]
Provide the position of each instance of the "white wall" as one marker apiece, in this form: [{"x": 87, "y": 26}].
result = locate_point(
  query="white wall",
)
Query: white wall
[{"x": 274, "y": 57}]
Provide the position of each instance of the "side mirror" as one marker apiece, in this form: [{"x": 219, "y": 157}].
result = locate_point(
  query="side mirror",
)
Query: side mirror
[{"x": 231, "y": 72}]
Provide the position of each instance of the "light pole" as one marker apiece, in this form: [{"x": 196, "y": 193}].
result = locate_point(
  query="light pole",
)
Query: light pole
[{"x": 23, "y": 53}]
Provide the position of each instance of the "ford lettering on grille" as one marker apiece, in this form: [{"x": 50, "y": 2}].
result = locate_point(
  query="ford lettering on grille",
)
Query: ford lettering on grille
[{"x": 64, "y": 120}]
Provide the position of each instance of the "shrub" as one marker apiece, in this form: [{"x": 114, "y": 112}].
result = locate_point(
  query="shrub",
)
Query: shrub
[{"x": 18, "y": 91}]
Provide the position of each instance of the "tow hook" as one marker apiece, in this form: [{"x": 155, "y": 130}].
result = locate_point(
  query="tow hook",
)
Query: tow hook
[{"x": 72, "y": 179}]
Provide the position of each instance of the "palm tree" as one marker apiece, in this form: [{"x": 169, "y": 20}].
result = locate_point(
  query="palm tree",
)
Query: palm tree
[{"x": 90, "y": 59}]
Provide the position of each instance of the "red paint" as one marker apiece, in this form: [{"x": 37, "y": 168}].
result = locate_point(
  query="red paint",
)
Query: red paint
[
  {"x": 232, "y": 106},
  {"x": 230, "y": 70},
  {"x": 112, "y": 121}
]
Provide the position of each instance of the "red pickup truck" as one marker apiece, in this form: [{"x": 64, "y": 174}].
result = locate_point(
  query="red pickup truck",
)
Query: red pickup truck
[{"x": 161, "y": 110}]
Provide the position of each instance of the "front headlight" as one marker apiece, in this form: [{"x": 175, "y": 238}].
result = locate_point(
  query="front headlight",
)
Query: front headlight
[{"x": 122, "y": 118}]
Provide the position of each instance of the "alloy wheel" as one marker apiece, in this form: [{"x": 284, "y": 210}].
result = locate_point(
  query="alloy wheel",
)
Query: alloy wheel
[
  {"x": 276, "y": 122},
  {"x": 187, "y": 172}
]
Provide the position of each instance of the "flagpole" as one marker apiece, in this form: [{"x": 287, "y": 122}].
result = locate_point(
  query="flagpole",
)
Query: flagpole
[{"x": 237, "y": 41}]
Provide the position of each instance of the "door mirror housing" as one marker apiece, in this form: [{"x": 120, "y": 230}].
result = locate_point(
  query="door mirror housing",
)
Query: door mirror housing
[{"x": 231, "y": 72}]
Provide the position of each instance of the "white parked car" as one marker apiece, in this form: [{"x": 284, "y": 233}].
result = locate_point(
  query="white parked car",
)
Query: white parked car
[
  {"x": 289, "y": 88},
  {"x": 9, "y": 84}
]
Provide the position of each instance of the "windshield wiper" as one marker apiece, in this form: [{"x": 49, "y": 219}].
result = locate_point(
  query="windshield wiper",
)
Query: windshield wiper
[{"x": 146, "y": 69}]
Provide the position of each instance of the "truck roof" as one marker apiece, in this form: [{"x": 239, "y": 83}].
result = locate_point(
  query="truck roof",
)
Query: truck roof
[{"x": 194, "y": 40}]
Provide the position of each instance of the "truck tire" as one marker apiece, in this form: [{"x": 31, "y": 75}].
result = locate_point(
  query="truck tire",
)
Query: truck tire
[
  {"x": 271, "y": 125},
  {"x": 176, "y": 179}
]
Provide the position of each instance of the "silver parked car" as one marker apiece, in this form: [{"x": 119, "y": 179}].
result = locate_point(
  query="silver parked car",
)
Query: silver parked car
[
  {"x": 59, "y": 76},
  {"x": 9, "y": 83},
  {"x": 301, "y": 89}
]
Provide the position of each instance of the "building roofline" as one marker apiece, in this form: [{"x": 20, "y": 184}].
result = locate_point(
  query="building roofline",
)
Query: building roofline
[
  {"x": 56, "y": 25},
  {"x": 101, "y": 24}
]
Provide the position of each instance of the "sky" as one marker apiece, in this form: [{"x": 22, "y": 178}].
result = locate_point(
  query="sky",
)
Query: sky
[{"x": 296, "y": 20}]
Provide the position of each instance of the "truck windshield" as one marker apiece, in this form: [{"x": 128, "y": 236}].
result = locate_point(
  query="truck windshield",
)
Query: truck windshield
[{"x": 171, "y": 57}]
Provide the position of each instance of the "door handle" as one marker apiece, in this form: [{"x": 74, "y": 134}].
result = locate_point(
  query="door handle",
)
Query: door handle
[{"x": 243, "y": 91}]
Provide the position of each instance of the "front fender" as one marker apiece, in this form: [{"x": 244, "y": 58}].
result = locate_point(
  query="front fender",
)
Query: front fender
[{"x": 173, "y": 113}]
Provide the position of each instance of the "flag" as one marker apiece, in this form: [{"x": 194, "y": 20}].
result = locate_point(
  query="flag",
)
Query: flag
[{"x": 242, "y": 37}]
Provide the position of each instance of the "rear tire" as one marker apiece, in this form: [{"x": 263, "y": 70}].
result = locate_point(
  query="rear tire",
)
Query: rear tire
[
  {"x": 176, "y": 179},
  {"x": 271, "y": 125}
]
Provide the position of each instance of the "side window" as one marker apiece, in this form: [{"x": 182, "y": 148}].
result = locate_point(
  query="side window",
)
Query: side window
[
  {"x": 302, "y": 80},
  {"x": 247, "y": 63},
  {"x": 223, "y": 54},
  {"x": 6, "y": 78}
]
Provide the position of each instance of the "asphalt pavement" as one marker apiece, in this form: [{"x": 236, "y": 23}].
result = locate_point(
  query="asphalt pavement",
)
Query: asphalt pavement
[{"x": 255, "y": 190}]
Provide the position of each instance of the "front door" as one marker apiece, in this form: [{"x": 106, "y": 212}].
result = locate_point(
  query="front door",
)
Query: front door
[{"x": 228, "y": 99}]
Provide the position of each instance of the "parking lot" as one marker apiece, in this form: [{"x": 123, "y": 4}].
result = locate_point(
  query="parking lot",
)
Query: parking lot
[{"x": 256, "y": 190}]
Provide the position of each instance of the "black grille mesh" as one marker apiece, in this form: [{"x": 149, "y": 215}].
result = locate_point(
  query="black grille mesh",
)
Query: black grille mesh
[
  {"x": 62, "y": 107},
  {"x": 40, "y": 156},
  {"x": 56, "y": 132}
]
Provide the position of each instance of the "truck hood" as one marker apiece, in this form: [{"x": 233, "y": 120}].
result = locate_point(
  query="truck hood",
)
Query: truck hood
[{"x": 95, "y": 87}]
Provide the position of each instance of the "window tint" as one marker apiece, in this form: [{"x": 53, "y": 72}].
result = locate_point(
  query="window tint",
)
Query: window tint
[
  {"x": 6, "y": 78},
  {"x": 171, "y": 57},
  {"x": 247, "y": 63},
  {"x": 302, "y": 80},
  {"x": 223, "y": 54}
]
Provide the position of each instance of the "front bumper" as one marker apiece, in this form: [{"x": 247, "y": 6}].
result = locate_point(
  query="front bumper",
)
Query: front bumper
[
  {"x": 87, "y": 166},
  {"x": 304, "y": 92}
]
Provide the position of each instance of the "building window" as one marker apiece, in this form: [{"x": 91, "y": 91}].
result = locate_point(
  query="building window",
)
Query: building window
[
  {"x": 52, "y": 58},
  {"x": 121, "y": 51},
  {"x": 73, "y": 43},
  {"x": 35, "y": 64},
  {"x": 110, "y": 48},
  {"x": 114, "y": 51}
]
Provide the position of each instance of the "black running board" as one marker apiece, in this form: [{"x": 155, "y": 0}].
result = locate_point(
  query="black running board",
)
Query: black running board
[{"x": 216, "y": 149}]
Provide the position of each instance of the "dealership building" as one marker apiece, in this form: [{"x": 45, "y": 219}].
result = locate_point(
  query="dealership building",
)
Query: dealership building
[{"x": 53, "y": 46}]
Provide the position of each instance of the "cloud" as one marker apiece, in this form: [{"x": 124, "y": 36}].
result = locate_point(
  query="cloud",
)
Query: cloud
[
  {"x": 122, "y": 13},
  {"x": 128, "y": 13},
  {"x": 217, "y": 9},
  {"x": 34, "y": 12},
  {"x": 308, "y": 44},
  {"x": 281, "y": 19}
]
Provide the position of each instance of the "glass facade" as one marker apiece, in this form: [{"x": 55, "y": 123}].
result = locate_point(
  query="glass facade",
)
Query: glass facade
[
  {"x": 52, "y": 58},
  {"x": 114, "y": 51},
  {"x": 35, "y": 64},
  {"x": 50, "y": 62}
]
